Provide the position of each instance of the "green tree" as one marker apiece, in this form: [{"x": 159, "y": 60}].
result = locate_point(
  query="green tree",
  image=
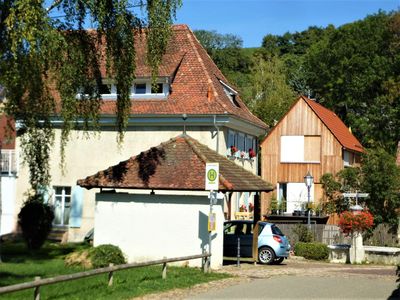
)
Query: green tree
[
  {"x": 271, "y": 96},
  {"x": 378, "y": 175},
  {"x": 354, "y": 70},
  {"x": 381, "y": 179},
  {"x": 44, "y": 61}
]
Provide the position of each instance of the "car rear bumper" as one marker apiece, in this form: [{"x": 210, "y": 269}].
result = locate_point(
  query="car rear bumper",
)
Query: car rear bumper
[{"x": 283, "y": 251}]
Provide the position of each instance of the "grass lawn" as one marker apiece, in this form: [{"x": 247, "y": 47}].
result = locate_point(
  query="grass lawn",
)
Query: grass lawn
[{"x": 19, "y": 266}]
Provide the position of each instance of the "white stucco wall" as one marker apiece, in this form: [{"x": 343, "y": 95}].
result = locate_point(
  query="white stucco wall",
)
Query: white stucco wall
[
  {"x": 8, "y": 184},
  {"x": 86, "y": 155},
  {"x": 148, "y": 227}
]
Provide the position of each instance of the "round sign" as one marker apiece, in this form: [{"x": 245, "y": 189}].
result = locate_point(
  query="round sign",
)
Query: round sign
[{"x": 211, "y": 175}]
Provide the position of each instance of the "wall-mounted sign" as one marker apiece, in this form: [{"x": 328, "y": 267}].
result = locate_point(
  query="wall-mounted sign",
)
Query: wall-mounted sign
[
  {"x": 212, "y": 176},
  {"x": 212, "y": 220}
]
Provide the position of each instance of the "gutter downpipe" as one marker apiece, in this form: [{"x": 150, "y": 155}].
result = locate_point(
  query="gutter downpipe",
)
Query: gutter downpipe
[{"x": 217, "y": 128}]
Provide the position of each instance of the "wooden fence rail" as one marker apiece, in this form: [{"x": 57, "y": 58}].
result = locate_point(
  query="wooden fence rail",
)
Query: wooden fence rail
[{"x": 37, "y": 283}]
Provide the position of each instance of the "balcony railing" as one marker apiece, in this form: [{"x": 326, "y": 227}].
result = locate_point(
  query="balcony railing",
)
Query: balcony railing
[{"x": 8, "y": 162}]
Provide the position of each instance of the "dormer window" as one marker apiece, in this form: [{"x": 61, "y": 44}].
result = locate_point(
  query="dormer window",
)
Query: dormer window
[
  {"x": 141, "y": 89},
  {"x": 105, "y": 89},
  {"x": 157, "y": 88},
  {"x": 231, "y": 93}
]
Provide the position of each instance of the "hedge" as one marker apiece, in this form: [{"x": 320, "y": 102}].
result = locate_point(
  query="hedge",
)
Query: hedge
[{"x": 316, "y": 251}]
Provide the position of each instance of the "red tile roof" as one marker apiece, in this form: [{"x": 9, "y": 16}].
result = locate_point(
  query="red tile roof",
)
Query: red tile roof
[
  {"x": 335, "y": 125},
  {"x": 178, "y": 164},
  {"x": 195, "y": 89}
]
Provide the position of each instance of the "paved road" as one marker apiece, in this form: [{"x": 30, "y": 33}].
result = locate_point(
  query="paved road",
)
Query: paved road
[
  {"x": 308, "y": 280},
  {"x": 295, "y": 279},
  {"x": 306, "y": 287}
]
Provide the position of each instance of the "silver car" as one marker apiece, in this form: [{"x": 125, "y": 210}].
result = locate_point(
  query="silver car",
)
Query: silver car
[{"x": 273, "y": 246}]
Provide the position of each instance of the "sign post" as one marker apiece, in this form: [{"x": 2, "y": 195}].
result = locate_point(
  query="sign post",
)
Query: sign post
[
  {"x": 212, "y": 185},
  {"x": 355, "y": 195}
]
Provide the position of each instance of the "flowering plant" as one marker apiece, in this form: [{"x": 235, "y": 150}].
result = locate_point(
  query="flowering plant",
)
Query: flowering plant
[
  {"x": 243, "y": 208},
  {"x": 233, "y": 150},
  {"x": 251, "y": 207},
  {"x": 350, "y": 222},
  {"x": 252, "y": 153}
]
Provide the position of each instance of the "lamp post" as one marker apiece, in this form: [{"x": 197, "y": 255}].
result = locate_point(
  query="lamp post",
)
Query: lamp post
[{"x": 308, "y": 180}]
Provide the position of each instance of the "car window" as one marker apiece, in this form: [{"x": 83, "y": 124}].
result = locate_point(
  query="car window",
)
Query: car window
[
  {"x": 238, "y": 228},
  {"x": 233, "y": 229},
  {"x": 261, "y": 227},
  {"x": 248, "y": 228},
  {"x": 276, "y": 230}
]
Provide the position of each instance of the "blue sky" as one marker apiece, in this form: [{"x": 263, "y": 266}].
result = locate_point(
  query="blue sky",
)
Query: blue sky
[{"x": 253, "y": 19}]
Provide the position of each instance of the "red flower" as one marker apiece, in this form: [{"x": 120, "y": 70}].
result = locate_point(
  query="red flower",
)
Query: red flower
[
  {"x": 252, "y": 153},
  {"x": 233, "y": 150},
  {"x": 251, "y": 207},
  {"x": 350, "y": 223}
]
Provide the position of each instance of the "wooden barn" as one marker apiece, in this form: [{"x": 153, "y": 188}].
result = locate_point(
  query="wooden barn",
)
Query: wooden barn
[{"x": 309, "y": 138}]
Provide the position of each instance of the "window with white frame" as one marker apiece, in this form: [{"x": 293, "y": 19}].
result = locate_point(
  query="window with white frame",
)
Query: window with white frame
[
  {"x": 348, "y": 158},
  {"x": 62, "y": 205},
  {"x": 142, "y": 88},
  {"x": 243, "y": 143}
]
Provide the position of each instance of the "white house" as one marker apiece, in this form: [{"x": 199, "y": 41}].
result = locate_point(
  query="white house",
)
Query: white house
[{"x": 192, "y": 95}]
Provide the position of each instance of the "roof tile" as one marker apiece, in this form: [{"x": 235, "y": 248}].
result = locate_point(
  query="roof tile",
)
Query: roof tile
[
  {"x": 335, "y": 125},
  {"x": 178, "y": 164}
]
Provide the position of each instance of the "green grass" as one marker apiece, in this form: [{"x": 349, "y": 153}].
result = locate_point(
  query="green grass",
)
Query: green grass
[{"x": 20, "y": 266}]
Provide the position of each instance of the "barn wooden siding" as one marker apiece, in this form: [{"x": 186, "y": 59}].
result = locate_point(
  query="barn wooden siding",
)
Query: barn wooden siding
[{"x": 301, "y": 121}]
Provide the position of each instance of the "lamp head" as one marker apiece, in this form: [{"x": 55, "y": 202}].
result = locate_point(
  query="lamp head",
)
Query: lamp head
[{"x": 308, "y": 179}]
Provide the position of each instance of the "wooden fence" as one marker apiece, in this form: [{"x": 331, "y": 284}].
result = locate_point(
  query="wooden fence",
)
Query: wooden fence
[
  {"x": 38, "y": 282},
  {"x": 330, "y": 234},
  {"x": 327, "y": 234}
]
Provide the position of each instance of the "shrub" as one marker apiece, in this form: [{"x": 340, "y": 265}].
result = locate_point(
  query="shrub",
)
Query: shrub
[
  {"x": 103, "y": 255},
  {"x": 35, "y": 220},
  {"x": 303, "y": 233},
  {"x": 317, "y": 251},
  {"x": 79, "y": 258}
]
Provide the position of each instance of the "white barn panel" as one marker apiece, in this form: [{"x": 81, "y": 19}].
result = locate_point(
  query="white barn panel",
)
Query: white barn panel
[{"x": 292, "y": 148}]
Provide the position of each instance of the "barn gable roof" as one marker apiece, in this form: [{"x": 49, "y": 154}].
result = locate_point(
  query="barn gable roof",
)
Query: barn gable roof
[{"x": 335, "y": 125}]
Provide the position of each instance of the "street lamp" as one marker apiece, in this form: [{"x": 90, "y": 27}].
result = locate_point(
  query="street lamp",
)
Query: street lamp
[{"x": 308, "y": 180}]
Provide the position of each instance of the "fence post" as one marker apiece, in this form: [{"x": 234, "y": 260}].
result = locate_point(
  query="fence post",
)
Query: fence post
[
  {"x": 238, "y": 253},
  {"x": 164, "y": 270},
  {"x": 110, "y": 275},
  {"x": 205, "y": 266},
  {"x": 36, "y": 293}
]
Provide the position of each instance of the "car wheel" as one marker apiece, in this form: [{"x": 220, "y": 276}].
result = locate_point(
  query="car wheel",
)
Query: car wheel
[
  {"x": 278, "y": 260},
  {"x": 266, "y": 255}
]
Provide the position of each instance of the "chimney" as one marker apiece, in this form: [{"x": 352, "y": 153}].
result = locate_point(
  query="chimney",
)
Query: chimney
[{"x": 209, "y": 93}]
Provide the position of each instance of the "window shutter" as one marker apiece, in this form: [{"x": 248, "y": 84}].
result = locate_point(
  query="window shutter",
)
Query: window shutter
[{"x": 75, "y": 217}]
